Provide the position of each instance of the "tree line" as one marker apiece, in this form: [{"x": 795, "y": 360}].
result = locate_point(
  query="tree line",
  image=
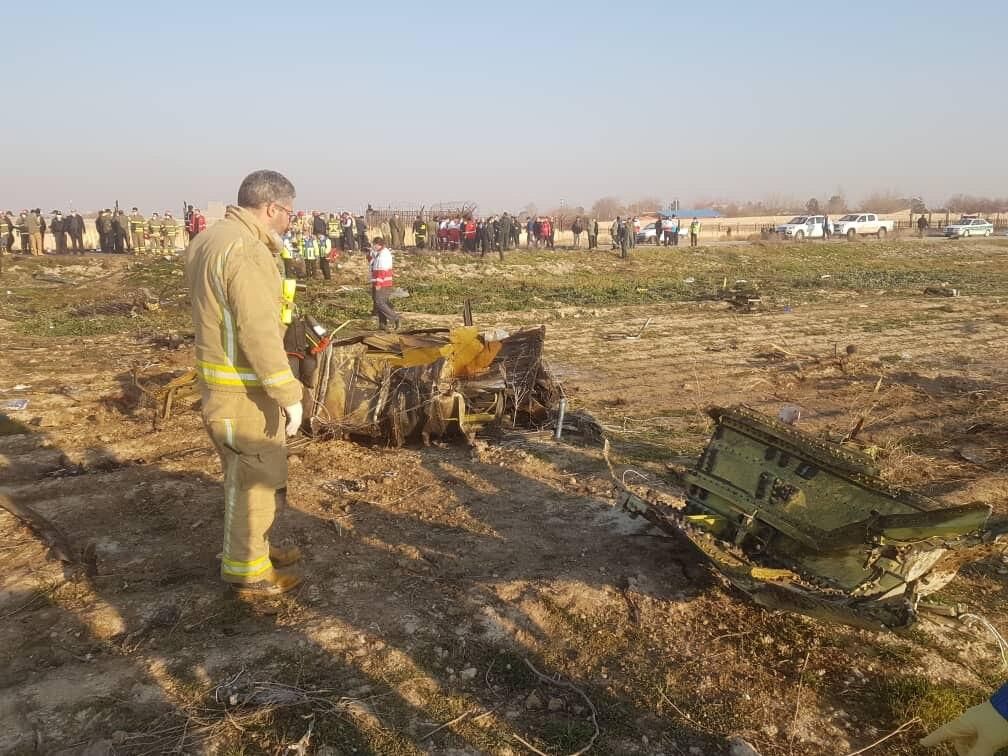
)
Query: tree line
[{"x": 606, "y": 208}]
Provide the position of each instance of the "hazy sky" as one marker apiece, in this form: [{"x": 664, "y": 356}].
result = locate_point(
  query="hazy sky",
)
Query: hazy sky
[{"x": 501, "y": 103}]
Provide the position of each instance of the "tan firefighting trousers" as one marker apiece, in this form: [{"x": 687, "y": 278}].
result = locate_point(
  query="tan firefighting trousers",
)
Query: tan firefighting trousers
[{"x": 248, "y": 432}]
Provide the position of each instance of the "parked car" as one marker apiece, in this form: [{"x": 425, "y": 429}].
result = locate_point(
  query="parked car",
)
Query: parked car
[
  {"x": 969, "y": 226},
  {"x": 853, "y": 225},
  {"x": 647, "y": 234},
  {"x": 803, "y": 227}
]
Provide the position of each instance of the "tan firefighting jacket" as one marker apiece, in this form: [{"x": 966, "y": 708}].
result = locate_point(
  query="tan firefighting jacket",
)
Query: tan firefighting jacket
[{"x": 235, "y": 290}]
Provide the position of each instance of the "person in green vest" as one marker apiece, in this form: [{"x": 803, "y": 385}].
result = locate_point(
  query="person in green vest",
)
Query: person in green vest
[
  {"x": 325, "y": 248},
  {"x": 333, "y": 228},
  {"x": 694, "y": 232},
  {"x": 310, "y": 256},
  {"x": 287, "y": 255}
]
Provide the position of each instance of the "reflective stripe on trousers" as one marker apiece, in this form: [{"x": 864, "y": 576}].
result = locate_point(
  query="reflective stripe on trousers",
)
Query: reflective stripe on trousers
[{"x": 248, "y": 433}]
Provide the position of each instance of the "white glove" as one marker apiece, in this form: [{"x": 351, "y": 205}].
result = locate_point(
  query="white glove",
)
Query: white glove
[
  {"x": 980, "y": 731},
  {"x": 293, "y": 418}
]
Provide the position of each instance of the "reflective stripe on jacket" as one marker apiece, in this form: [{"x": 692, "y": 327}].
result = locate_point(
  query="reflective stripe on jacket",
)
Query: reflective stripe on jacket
[{"x": 381, "y": 268}]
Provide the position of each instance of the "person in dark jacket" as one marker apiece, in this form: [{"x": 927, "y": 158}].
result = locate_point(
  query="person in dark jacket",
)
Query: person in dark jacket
[
  {"x": 75, "y": 228},
  {"x": 361, "y": 225},
  {"x": 420, "y": 233},
  {"x": 103, "y": 224},
  {"x": 396, "y": 231},
  {"x": 22, "y": 227},
  {"x": 120, "y": 232},
  {"x": 319, "y": 227},
  {"x": 58, "y": 228}
]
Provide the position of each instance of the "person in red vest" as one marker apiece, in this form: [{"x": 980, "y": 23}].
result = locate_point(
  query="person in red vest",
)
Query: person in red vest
[
  {"x": 469, "y": 235},
  {"x": 380, "y": 263},
  {"x": 546, "y": 231},
  {"x": 197, "y": 223}
]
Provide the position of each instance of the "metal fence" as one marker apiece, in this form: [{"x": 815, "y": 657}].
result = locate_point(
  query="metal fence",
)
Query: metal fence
[{"x": 409, "y": 211}]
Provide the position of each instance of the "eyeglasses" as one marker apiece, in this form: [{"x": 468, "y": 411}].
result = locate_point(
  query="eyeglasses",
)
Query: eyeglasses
[{"x": 287, "y": 210}]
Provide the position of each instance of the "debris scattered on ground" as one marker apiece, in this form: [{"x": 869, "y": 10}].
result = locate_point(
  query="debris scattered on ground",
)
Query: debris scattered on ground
[
  {"x": 741, "y": 296},
  {"x": 144, "y": 300},
  {"x": 629, "y": 336},
  {"x": 51, "y": 278},
  {"x": 162, "y": 398},
  {"x": 942, "y": 290}
]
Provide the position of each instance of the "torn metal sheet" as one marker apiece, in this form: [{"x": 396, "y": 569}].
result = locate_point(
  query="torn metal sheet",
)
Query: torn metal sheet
[{"x": 806, "y": 525}]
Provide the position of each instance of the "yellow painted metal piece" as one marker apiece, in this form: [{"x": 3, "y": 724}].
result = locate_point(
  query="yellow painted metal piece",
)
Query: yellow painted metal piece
[
  {"x": 466, "y": 346},
  {"x": 770, "y": 573},
  {"x": 710, "y": 523},
  {"x": 480, "y": 362}
]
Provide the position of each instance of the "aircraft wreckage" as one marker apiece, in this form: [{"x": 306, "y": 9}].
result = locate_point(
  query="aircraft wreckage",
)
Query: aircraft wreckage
[
  {"x": 796, "y": 522},
  {"x": 413, "y": 386},
  {"x": 806, "y": 525},
  {"x": 429, "y": 383}
]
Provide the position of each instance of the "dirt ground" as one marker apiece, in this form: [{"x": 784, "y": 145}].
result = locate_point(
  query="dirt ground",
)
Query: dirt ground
[{"x": 443, "y": 579}]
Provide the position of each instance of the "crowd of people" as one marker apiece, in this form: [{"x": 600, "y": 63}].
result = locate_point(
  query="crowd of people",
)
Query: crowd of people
[
  {"x": 116, "y": 231},
  {"x": 31, "y": 228},
  {"x": 318, "y": 238}
]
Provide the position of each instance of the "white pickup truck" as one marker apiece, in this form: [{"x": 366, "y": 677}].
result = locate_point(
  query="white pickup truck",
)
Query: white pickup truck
[
  {"x": 803, "y": 227},
  {"x": 853, "y": 225}
]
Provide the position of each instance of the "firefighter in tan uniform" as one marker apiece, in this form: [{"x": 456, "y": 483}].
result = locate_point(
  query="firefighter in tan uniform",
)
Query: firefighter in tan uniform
[{"x": 250, "y": 396}]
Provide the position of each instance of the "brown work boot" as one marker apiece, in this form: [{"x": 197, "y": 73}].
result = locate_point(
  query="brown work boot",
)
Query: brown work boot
[
  {"x": 284, "y": 556},
  {"x": 273, "y": 583}
]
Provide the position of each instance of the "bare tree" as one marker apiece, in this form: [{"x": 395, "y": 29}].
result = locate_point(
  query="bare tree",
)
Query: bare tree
[
  {"x": 812, "y": 206},
  {"x": 645, "y": 205},
  {"x": 968, "y": 203},
  {"x": 837, "y": 205},
  {"x": 607, "y": 208},
  {"x": 885, "y": 202}
]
